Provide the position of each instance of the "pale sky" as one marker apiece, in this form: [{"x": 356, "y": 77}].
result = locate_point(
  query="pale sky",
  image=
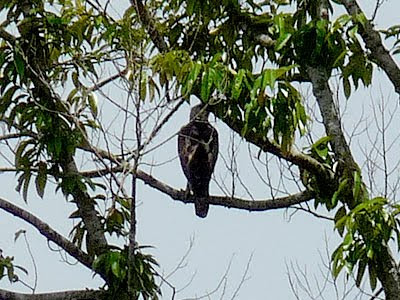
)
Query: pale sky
[{"x": 227, "y": 235}]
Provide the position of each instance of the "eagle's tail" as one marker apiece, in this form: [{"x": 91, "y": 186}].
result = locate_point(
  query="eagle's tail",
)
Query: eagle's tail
[
  {"x": 201, "y": 203},
  {"x": 201, "y": 208}
]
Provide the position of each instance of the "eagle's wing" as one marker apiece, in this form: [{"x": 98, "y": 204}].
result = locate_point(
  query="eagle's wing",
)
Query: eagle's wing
[
  {"x": 187, "y": 147},
  {"x": 213, "y": 149}
]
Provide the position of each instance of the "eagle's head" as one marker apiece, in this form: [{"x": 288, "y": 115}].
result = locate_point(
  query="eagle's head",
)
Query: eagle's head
[{"x": 199, "y": 113}]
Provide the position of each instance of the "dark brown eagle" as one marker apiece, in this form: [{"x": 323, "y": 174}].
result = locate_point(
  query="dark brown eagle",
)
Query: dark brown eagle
[{"x": 198, "y": 152}]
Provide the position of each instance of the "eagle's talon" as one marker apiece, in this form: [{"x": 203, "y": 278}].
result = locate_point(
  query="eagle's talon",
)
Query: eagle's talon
[{"x": 187, "y": 192}]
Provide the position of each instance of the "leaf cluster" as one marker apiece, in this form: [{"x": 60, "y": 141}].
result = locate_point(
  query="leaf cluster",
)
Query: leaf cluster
[
  {"x": 114, "y": 264},
  {"x": 368, "y": 228},
  {"x": 8, "y": 268},
  {"x": 54, "y": 46},
  {"x": 323, "y": 188},
  {"x": 393, "y": 32}
]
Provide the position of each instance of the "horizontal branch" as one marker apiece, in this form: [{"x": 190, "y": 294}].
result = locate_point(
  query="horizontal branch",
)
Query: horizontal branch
[
  {"x": 48, "y": 232},
  {"x": 16, "y": 136},
  {"x": 229, "y": 202},
  {"x": 65, "y": 295}
]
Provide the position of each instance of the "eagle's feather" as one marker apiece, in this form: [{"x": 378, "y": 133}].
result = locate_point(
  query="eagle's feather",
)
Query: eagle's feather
[{"x": 198, "y": 152}]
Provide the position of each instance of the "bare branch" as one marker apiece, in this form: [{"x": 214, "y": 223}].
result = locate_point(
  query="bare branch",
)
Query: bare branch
[
  {"x": 230, "y": 202},
  {"x": 82, "y": 295},
  {"x": 333, "y": 127},
  {"x": 48, "y": 232}
]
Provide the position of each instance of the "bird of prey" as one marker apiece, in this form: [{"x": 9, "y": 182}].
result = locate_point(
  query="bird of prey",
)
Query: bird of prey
[{"x": 198, "y": 152}]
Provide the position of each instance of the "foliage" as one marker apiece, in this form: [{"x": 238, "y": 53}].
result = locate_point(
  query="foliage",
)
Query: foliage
[
  {"x": 286, "y": 40},
  {"x": 369, "y": 226},
  {"x": 244, "y": 58},
  {"x": 115, "y": 265},
  {"x": 54, "y": 48},
  {"x": 323, "y": 189},
  {"x": 393, "y": 32},
  {"x": 8, "y": 268}
]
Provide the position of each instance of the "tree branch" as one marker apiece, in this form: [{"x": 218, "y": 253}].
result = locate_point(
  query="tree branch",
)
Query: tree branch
[
  {"x": 48, "y": 232},
  {"x": 373, "y": 42},
  {"x": 7, "y": 36},
  {"x": 95, "y": 238},
  {"x": 266, "y": 145},
  {"x": 333, "y": 127},
  {"x": 66, "y": 295},
  {"x": 229, "y": 202},
  {"x": 148, "y": 22}
]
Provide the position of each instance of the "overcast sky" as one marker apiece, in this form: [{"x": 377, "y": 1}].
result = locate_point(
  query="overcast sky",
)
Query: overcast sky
[{"x": 226, "y": 237}]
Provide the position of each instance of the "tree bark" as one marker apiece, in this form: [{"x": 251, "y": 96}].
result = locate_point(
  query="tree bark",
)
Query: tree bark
[
  {"x": 96, "y": 240},
  {"x": 388, "y": 274},
  {"x": 67, "y": 295}
]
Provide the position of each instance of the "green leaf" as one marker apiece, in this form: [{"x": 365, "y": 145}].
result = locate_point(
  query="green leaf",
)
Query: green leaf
[
  {"x": 41, "y": 179},
  {"x": 57, "y": 147},
  {"x": 143, "y": 87},
  {"x": 342, "y": 187},
  {"x": 367, "y": 74},
  {"x": 346, "y": 87},
  {"x": 71, "y": 95},
  {"x": 362, "y": 264},
  {"x": 338, "y": 262},
  {"x": 153, "y": 87},
  {"x": 270, "y": 76},
  {"x": 92, "y": 100},
  {"x": 322, "y": 152},
  {"x": 75, "y": 80},
  {"x": 115, "y": 268},
  {"x": 353, "y": 32},
  {"x": 207, "y": 83},
  {"x": 19, "y": 64},
  {"x": 26, "y": 186},
  {"x": 282, "y": 41},
  {"x": 10, "y": 274},
  {"x": 361, "y": 18},
  {"x": 341, "y": 20},
  {"x": 370, "y": 253},
  {"x": 356, "y": 185},
  {"x": 348, "y": 239},
  {"x": 340, "y": 218},
  {"x": 322, "y": 141},
  {"x": 372, "y": 276},
  {"x": 21, "y": 148},
  {"x": 237, "y": 84},
  {"x": 190, "y": 6},
  {"x": 7, "y": 98}
]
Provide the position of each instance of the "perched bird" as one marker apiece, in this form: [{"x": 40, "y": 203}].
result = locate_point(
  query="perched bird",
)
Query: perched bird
[{"x": 198, "y": 152}]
